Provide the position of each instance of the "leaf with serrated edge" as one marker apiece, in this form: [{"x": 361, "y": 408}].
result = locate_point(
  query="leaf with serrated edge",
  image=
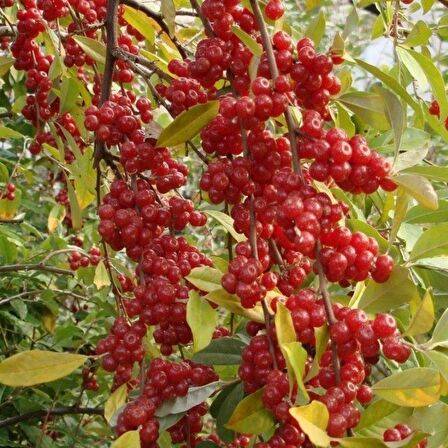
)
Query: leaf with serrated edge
[
  {"x": 313, "y": 419},
  {"x": 414, "y": 387},
  {"x": 36, "y": 367}
]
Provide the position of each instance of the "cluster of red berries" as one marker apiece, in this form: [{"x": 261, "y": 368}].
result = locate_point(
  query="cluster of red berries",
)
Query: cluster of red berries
[
  {"x": 349, "y": 162},
  {"x": 165, "y": 381},
  {"x": 9, "y": 192},
  {"x": 122, "y": 348},
  {"x": 88, "y": 379},
  {"x": 401, "y": 432},
  {"x": 352, "y": 257},
  {"x": 161, "y": 300},
  {"x": 76, "y": 259},
  {"x": 132, "y": 220}
]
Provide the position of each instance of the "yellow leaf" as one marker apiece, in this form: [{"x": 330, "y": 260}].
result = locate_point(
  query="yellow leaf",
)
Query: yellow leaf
[
  {"x": 56, "y": 216},
  {"x": 130, "y": 439},
  {"x": 141, "y": 22},
  {"x": 36, "y": 366},
  {"x": 49, "y": 321},
  {"x": 101, "y": 278},
  {"x": 251, "y": 416},
  {"x": 313, "y": 419},
  {"x": 284, "y": 326},
  {"x": 201, "y": 319},
  {"x": 411, "y": 388},
  {"x": 423, "y": 317},
  {"x": 115, "y": 401},
  {"x": 419, "y": 188}
]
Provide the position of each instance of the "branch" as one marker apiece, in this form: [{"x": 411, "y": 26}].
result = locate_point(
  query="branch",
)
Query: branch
[
  {"x": 6, "y": 31},
  {"x": 267, "y": 45},
  {"x": 159, "y": 19},
  {"x": 208, "y": 29},
  {"x": 34, "y": 267},
  {"x": 329, "y": 312},
  {"x": 55, "y": 411}
]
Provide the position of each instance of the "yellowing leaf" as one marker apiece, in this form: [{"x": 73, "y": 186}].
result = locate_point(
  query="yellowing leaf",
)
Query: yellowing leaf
[
  {"x": 248, "y": 41},
  {"x": 284, "y": 326},
  {"x": 141, "y": 22},
  {"x": 5, "y": 64},
  {"x": 419, "y": 188},
  {"x": 322, "y": 335},
  {"x": 101, "y": 278},
  {"x": 251, "y": 416},
  {"x": 93, "y": 48},
  {"x": 227, "y": 223},
  {"x": 295, "y": 356},
  {"x": 49, "y": 320},
  {"x": 313, "y": 419},
  {"x": 231, "y": 303},
  {"x": 380, "y": 297},
  {"x": 423, "y": 317},
  {"x": 188, "y": 124},
  {"x": 35, "y": 367},
  {"x": 202, "y": 320},
  {"x": 361, "y": 442},
  {"x": 130, "y": 439},
  {"x": 410, "y": 388},
  {"x": 432, "y": 243},
  {"x": 115, "y": 401},
  {"x": 56, "y": 216}
]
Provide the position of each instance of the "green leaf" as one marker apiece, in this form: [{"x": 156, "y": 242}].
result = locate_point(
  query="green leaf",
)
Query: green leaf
[
  {"x": 101, "y": 278},
  {"x": 248, "y": 41},
  {"x": 8, "y": 250},
  {"x": 344, "y": 120},
  {"x": 402, "y": 201},
  {"x": 390, "y": 82},
  {"x": 6, "y": 63},
  {"x": 92, "y": 47},
  {"x": 383, "y": 297},
  {"x": 56, "y": 216},
  {"x": 7, "y": 133},
  {"x": 440, "y": 334},
  {"x": 351, "y": 23},
  {"x": 437, "y": 173},
  {"x": 395, "y": 115},
  {"x": 202, "y": 320},
  {"x": 168, "y": 10},
  {"x": 226, "y": 410},
  {"x": 36, "y": 367},
  {"x": 375, "y": 412},
  {"x": 205, "y": 278},
  {"x": 316, "y": 28},
  {"x": 75, "y": 210},
  {"x": 251, "y": 416},
  {"x": 188, "y": 124},
  {"x": 313, "y": 420},
  {"x": 422, "y": 317},
  {"x": 414, "y": 387},
  {"x": 141, "y": 22},
  {"x": 440, "y": 361},
  {"x": 130, "y": 439},
  {"x": 361, "y": 442},
  {"x": 69, "y": 94},
  {"x": 413, "y": 67},
  {"x": 427, "y": 5},
  {"x": 233, "y": 304},
  {"x": 116, "y": 400},
  {"x": 369, "y": 107},
  {"x": 432, "y": 243},
  {"x": 378, "y": 27},
  {"x": 4, "y": 173},
  {"x": 421, "y": 215},
  {"x": 221, "y": 351},
  {"x": 227, "y": 223},
  {"x": 195, "y": 396},
  {"x": 419, "y": 35},
  {"x": 322, "y": 336},
  {"x": 419, "y": 188},
  {"x": 435, "y": 79},
  {"x": 296, "y": 356}
]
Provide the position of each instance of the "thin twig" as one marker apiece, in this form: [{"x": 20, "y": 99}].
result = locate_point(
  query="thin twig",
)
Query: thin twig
[{"x": 34, "y": 267}]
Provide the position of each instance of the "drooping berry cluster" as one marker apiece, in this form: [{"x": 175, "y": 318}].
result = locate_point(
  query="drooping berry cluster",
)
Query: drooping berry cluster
[
  {"x": 76, "y": 259},
  {"x": 9, "y": 192}
]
